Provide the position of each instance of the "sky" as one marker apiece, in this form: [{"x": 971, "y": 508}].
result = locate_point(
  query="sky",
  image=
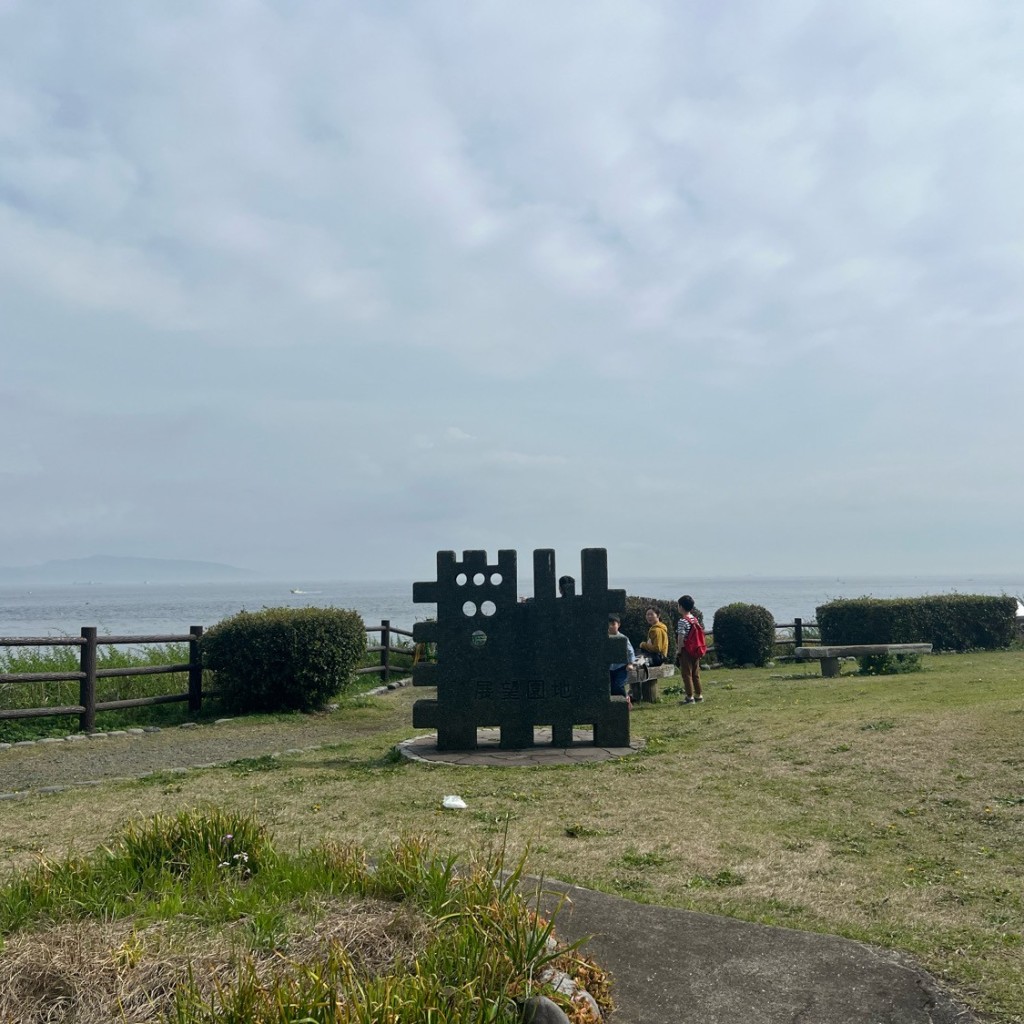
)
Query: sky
[{"x": 318, "y": 289}]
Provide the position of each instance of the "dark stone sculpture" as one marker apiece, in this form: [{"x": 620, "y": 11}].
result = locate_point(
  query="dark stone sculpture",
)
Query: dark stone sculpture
[{"x": 519, "y": 664}]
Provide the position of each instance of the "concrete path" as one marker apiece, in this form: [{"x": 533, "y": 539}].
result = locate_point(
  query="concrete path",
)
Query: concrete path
[{"x": 680, "y": 967}]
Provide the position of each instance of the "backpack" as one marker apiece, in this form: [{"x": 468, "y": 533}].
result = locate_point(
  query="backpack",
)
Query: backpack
[{"x": 695, "y": 644}]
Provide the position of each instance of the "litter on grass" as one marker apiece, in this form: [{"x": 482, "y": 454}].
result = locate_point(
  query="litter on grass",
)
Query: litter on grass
[{"x": 454, "y": 803}]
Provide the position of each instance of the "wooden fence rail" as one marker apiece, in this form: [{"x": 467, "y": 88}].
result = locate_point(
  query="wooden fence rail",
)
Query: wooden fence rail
[
  {"x": 797, "y": 639},
  {"x": 89, "y": 672},
  {"x": 386, "y": 631}
]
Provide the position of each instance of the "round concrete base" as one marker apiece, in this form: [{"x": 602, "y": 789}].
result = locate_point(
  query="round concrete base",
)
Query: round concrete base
[{"x": 489, "y": 754}]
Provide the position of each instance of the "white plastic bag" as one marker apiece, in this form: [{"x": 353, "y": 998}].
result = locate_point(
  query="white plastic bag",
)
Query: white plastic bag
[{"x": 454, "y": 803}]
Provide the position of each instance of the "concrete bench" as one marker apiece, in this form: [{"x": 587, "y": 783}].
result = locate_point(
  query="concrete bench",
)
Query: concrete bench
[
  {"x": 829, "y": 656},
  {"x": 645, "y": 688}
]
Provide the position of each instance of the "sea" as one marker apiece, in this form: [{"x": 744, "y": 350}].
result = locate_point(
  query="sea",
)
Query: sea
[{"x": 49, "y": 610}]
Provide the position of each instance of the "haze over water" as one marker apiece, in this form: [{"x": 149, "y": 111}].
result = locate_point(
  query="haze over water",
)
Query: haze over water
[{"x": 151, "y": 609}]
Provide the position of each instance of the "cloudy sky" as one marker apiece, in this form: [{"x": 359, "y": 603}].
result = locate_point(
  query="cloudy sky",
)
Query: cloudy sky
[{"x": 320, "y": 288}]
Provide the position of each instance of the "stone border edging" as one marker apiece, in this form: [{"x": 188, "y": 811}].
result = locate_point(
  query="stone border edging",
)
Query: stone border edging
[{"x": 423, "y": 749}]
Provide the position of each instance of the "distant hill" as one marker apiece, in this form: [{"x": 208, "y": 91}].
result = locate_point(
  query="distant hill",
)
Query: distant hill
[{"x": 115, "y": 569}]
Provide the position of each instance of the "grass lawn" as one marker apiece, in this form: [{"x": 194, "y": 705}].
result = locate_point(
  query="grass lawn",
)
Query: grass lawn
[{"x": 887, "y": 809}]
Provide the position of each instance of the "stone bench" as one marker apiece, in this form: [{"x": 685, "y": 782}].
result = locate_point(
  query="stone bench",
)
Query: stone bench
[
  {"x": 645, "y": 688},
  {"x": 829, "y": 656}
]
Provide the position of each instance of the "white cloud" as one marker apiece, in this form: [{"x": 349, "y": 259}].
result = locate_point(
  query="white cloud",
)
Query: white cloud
[
  {"x": 574, "y": 262},
  {"x": 64, "y": 266},
  {"x": 19, "y": 460},
  {"x": 468, "y": 266},
  {"x": 525, "y": 460}
]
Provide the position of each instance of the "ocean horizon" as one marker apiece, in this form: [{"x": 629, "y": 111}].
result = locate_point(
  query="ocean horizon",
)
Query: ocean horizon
[{"x": 45, "y": 610}]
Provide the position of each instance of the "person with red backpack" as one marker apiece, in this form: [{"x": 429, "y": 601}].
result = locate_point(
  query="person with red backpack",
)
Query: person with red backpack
[{"x": 691, "y": 646}]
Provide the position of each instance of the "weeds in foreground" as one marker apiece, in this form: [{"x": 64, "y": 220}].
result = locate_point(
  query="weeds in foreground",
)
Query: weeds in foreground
[{"x": 239, "y": 931}]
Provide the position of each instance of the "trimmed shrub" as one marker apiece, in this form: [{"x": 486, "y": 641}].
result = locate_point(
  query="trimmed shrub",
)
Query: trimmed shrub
[
  {"x": 949, "y": 622},
  {"x": 744, "y": 634},
  {"x": 284, "y": 659},
  {"x": 889, "y": 664}
]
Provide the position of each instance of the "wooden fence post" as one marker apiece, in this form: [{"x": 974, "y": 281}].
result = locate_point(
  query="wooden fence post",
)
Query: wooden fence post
[
  {"x": 87, "y": 684},
  {"x": 385, "y": 645},
  {"x": 195, "y": 670},
  {"x": 798, "y": 632}
]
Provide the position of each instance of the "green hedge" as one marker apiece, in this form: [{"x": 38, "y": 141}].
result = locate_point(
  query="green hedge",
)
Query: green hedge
[
  {"x": 284, "y": 659},
  {"x": 744, "y": 634},
  {"x": 949, "y": 622}
]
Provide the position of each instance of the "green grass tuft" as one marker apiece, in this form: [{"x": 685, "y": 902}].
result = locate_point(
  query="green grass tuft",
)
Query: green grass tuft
[{"x": 484, "y": 947}]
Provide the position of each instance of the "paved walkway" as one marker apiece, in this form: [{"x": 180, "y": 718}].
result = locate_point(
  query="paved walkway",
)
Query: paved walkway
[
  {"x": 679, "y": 967},
  {"x": 669, "y": 966}
]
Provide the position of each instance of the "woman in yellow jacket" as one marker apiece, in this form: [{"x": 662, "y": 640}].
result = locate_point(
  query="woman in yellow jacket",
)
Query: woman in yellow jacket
[{"x": 656, "y": 644}]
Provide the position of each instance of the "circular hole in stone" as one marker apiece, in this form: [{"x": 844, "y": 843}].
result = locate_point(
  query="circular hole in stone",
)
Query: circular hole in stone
[
  {"x": 488, "y": 607},
  {"x": 479, "y": 578},
  {"x": 461, "y": 579},
  {"x": 496, "y": 579},
  {"x": 478, "y": 638},
  {"x": 469, "y": 608}
]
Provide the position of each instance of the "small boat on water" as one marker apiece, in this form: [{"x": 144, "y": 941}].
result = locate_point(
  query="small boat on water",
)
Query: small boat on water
[{"x": 306, "y": 591}]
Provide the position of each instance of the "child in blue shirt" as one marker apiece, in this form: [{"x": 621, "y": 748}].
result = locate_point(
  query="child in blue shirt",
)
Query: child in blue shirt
[{"x": 619, "y": 672}]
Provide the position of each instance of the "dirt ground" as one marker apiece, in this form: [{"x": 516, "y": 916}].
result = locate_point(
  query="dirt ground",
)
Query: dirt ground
[{"x": 129, "y": 756}]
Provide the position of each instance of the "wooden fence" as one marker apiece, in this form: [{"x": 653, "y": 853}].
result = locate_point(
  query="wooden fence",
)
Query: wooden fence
[
  {"x": 89, "y": 673},
  {"x": 798, "y": 639},
  {"x": 386, "y": 631}
]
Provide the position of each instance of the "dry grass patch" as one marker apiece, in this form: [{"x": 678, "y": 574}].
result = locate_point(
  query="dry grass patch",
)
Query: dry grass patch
[
  {"x": 197, "y": 917},
  {"x": 92, "y": 972}
]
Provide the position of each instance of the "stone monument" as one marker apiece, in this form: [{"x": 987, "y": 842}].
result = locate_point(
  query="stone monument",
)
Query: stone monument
[{"x": 516, "y": 664}]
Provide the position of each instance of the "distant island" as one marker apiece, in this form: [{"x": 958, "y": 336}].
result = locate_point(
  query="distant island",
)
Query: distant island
[{"x": 119, "y": 569}]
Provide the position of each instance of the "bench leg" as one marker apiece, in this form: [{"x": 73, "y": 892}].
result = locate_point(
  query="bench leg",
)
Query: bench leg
[{"x": 830, "y": 667}]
